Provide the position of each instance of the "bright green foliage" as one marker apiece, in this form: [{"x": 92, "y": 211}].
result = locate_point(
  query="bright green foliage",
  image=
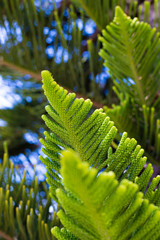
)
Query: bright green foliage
[
  {"x": 131, "y": 52},
  {"x": 69, "y": 128},
  {"x": 98, "y": 207},
  {"x": 140, "y": 123},
  {"x": 23, "y": 214},
  {"x": 95, "y": 205},
  {"x": 90, "y": 134}
]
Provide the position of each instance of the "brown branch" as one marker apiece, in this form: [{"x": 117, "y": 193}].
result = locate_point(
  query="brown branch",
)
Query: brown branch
[
  {"x": 22, "y": 70},
  {"x": 38, "y": 77},
  {"x": 5, "y": 236},
  {"x": 65, "y": 3},
  {"x": 93, "y": 37}
]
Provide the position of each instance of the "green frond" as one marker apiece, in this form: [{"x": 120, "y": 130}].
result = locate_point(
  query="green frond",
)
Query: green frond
[
  {"x": 73, "y": 125},
  {"x": 131, "y": 52},
  {"x": 96, "y": 206}
]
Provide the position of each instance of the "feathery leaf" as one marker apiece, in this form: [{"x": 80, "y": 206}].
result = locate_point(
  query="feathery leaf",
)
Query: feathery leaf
[
  {"x": 73, "y": 125},
  {"x": 131, "y": 52},
  {"x": 98, "y": 207}
]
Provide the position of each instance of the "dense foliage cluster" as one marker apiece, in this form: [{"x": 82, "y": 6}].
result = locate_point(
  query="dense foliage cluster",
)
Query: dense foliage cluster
[{"x": 97, "y": 173}]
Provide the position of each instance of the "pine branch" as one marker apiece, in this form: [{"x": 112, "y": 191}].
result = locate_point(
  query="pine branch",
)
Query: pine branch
[
  {"x": 131, "y": 52},
  {"x": 73, "y": 125},
  {"x": 98, "y": 207}
]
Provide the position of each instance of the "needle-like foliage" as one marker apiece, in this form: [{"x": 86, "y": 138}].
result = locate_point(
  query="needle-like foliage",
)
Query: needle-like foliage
[
  {"x": 102, "y": 11},
  {"x": 35, "y": 40},
  {"x": 90, "y": 134},
  {"x": 23, "y": 214},
  {"x": 98, "y": 207},
  {"x": 131, "y": 52},
  {"x": 142, "y": 123}
]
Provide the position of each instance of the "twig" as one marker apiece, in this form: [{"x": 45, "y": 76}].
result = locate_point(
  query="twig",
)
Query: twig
[
  {"x": 60, "y": 8},
  {"x": 5, "y": 236},
  {"x": 22, "y": 70},
  {"x": 38, "y": 77}
]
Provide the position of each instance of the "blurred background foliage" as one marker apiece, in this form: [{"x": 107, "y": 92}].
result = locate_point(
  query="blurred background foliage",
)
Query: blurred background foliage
[{"x": 26, "y": 208}]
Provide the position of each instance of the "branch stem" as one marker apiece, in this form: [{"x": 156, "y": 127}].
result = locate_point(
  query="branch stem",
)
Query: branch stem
[
  {"x": 38, "y": 77},
  {"x": 5, "y": 236}
]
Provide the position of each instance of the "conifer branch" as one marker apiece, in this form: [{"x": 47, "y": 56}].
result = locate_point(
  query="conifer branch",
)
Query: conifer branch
[
  {"x": 91, "y": 134},
  {"x": 133, "y": 63}
]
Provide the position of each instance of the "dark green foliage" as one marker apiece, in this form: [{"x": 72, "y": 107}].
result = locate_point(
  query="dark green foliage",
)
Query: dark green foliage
[
  {"x": 24, "y": 206},
  {"x": 69, "y": 64},
  {"x": 102, "y": 12},
  {"x": 17, "y": 125},
  {"x": 76, "y": 72},
  {"x": 20, "y": 116},
  {"x": 141, "y": 123},
  {"x": 30, "y": 52},
  {"x": 24, "y": 15}
]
